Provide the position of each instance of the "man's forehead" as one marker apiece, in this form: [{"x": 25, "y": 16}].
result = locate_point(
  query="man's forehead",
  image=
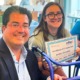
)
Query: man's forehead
[{"x": 18, "y": 17}]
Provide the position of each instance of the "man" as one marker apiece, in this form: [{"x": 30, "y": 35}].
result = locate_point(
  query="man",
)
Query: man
[{"x": 17, "y": 62}]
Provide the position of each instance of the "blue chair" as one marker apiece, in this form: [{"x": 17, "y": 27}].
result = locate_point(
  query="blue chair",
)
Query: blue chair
[
  {"x": 76, "y": 68},
  {"x": 76, "y": 31},
  {"x": 51, "y": 61}
]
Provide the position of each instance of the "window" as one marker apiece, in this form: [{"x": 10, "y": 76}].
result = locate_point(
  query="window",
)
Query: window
[
  {"x": 1, "y": 2},
  {"x": 72, "y": 9}
]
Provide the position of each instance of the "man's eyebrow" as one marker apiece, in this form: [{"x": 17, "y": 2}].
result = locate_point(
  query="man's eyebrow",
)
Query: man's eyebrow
[
  {"x": 15, "y": 22},
  {"x": 18, "y": 22},
  {"x": 26, "y": 23}
]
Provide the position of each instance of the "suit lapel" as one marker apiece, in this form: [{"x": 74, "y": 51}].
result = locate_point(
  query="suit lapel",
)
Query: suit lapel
[
  {"x": 29, "y": 66},
  {"x": 11, "y": 68},
  {"x": 8, "y": 60}
]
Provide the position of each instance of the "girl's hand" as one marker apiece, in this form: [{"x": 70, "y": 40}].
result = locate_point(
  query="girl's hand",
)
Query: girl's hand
[
  {"x": 58, "y": 77},
  {"x": 45, "y": 65},
  {"x": 78, "y": 51}
]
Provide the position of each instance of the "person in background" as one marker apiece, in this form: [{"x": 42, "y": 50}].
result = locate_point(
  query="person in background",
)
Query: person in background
[
  {"x": 17, "y": 62},
  {"x": 24, "y": 3},
  {"x": 9, "y": 2},
  {"x": 51, "y": 27},
  {"x": 41, "y": 2}
]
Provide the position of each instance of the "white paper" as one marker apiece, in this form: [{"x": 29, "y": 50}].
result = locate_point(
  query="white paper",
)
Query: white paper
[{"x": 62, "y": 49}]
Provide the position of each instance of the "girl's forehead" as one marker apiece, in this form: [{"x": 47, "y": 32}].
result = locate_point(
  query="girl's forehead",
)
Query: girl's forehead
[{"x": 53, "y": 8}]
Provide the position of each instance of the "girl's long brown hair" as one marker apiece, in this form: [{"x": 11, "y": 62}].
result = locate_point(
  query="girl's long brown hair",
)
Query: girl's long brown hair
[{"x": 43, "y": 25}]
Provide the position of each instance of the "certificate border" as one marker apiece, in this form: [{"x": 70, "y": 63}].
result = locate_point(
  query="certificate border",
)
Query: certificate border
[{"x": 62, "y": 40}]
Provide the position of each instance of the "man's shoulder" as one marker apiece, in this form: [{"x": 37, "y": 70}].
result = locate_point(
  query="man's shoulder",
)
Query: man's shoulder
[{"x": 30, "y": 52}]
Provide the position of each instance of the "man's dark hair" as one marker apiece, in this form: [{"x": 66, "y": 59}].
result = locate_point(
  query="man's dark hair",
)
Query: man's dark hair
[{"x": 21, "y": 10}]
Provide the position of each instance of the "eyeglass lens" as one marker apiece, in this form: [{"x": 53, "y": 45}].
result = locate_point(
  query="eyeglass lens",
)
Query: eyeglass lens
[{"x": 52, "y": 15}]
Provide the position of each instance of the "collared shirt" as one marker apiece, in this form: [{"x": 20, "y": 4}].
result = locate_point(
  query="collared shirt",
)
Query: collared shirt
[{"x": 21, "y": 67}]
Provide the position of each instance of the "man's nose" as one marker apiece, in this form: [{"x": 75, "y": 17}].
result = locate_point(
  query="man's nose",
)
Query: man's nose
[{"x": 21, "y": 28}]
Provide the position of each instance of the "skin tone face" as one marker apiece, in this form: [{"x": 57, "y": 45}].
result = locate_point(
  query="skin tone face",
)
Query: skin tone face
[
  {"x": 54, "y": 23},
  {"x": 16, "y": 32},
  {"x": 78, "y": 43}
]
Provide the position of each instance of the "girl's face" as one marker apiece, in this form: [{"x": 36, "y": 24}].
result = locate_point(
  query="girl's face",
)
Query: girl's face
[{"x": 53, "y": 16}]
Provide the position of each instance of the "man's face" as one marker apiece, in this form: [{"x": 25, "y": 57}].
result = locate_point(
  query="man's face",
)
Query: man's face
[{"x": 16, "y": 32}]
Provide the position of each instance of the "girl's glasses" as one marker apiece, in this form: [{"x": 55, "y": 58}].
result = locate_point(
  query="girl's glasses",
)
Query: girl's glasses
[{"x": 52, "y": 15}]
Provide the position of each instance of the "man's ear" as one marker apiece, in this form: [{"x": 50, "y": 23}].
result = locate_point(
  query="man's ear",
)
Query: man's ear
[{"x": 3, "y": 28}]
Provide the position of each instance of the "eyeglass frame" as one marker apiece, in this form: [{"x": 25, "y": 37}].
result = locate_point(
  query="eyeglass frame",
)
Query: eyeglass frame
[{"x": 58, "y": 14}]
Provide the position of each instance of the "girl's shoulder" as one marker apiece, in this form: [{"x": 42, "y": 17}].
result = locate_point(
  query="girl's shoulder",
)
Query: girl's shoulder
[
  {"x": 37, "y": 34},
  {"x": 67, "y": 33}
]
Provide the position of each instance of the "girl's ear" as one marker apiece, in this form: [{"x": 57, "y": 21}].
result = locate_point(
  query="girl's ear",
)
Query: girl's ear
[{"x": 44, "y": 19}]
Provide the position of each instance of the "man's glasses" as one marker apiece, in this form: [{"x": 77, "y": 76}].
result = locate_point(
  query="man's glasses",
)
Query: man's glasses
[{"x": 51, "y": 15}]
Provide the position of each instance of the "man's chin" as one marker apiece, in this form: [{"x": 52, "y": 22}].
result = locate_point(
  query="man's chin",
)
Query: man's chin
[{"x": 19, "y": 44}]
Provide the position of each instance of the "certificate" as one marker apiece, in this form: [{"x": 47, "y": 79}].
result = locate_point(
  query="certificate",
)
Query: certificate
[{"x": 62, "y": 49}]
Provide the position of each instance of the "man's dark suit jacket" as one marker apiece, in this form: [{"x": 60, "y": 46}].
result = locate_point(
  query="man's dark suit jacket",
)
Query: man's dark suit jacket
[{"x": 7, "y": 67}]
